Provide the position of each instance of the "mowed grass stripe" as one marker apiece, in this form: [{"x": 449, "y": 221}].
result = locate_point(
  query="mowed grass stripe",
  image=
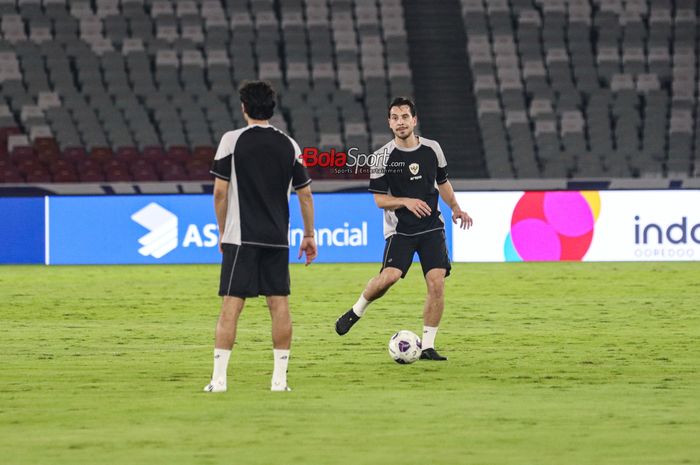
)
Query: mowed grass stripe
[{"x": 550, "y": 363}]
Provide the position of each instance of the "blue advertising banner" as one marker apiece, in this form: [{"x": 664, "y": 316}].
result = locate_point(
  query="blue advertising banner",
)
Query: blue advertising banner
[
  {"x": 125, "y": 229},
  {"x": 182, "y": 229},
  {"x": 22, "y": 230},
  {"x": 349, "y": 228}
]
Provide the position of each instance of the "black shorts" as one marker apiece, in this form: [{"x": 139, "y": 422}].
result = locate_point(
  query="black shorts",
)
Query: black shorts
[
  {"x": 431, "y": 248},
  {"x": 249, "y": 271}
]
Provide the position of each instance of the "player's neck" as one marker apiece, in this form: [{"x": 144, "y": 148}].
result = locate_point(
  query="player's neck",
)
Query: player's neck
[
  {"x": 260, "y": 122},
  {"x": 408, "y": 143}
]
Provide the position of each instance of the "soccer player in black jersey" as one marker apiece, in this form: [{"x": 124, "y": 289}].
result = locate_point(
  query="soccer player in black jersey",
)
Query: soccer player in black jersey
[
  {"x": 409, "y": 176},
  {"x": 255, "y": 168}
]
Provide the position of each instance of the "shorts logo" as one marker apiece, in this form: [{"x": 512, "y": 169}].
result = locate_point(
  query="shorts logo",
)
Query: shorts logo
[
  {"x": 413, "y": 167},
  {"x": 162, "y": 224},
  {"x": 552, "y": 226}
]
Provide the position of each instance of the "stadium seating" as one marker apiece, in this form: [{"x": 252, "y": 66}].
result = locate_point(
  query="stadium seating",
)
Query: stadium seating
[
  {"x": 133, "y": 90},
  {"x": 142, "y": 90},
  {"x": 585, "y": 88}
]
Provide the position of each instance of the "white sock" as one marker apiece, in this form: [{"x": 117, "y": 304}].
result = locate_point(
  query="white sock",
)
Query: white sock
[
  {"x": 429, "y": 333},
  {"x": 360, "y": 306},
  {"x": 221, "y": 357},
  {"x": 279, "y": 374}
]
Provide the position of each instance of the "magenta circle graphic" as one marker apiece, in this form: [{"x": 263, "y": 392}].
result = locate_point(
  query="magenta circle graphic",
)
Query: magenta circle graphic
[
  {"x": 536, "y": 240},
  {"x": 568, "y": 213}
]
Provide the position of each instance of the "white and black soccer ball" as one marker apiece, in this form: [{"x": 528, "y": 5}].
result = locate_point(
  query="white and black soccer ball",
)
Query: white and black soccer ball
[{"x": 404, "y": 347}]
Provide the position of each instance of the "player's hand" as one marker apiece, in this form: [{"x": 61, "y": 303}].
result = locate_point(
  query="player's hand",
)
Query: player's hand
[
  {"x": 308, "y": 247},
  {"x": 417, "y": 207},
  {"x": 465, "y": 221},
  {"x": 221, "y": 247}
]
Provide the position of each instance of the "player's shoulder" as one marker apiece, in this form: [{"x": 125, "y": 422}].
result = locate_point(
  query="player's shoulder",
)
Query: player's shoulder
[
  {"x": 434, "y": 146},
  {"x": 234, "y": 133},
  {"x": 228, "y": 142},
  {"x": 386, "y": 149},
  {"x": 286, "y": 137},
  {"x": 380, "y": 156},
  {"x": 281, "y": 133},
  {"x": 231, "y": 137},
  {"x": 278, "y": 130},
  {"x": 431, "y": 143}
]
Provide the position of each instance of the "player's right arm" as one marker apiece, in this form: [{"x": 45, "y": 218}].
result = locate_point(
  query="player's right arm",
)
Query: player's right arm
[
  {"x": 389, "y": 202},
  {"x": 379, "y": 186},
  {"x": 220, "y": 205}
]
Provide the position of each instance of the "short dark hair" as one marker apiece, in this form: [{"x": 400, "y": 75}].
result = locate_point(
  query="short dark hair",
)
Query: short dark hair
[
  {"x": 258, "y": 99},
  {"x": 401, "y": 101}
]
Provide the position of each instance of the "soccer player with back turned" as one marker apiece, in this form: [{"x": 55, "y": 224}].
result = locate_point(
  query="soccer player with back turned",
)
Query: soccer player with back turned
[
  {"x": 255, "y": 168},
  {"x": 410, "y": 175}
]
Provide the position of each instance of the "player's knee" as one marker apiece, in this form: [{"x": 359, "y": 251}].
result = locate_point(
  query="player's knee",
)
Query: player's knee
[
  {"x": 231, "y": 306},
  {"x": 390, "y": 277},
  {"x": 278, "y": 303},
  {"x": 436, "y": 285}
]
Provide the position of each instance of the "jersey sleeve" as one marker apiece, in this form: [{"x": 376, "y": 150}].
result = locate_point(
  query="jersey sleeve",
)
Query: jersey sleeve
[
  {"x": 441, "y": 177},
  {"x": 379, "y": 185},
  {"x": 221, "y": 168},
  {"x": 300, "y": 175}
]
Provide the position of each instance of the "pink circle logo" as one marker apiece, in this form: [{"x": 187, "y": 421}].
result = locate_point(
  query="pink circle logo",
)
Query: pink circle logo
[{"x": 552, "y": 226}]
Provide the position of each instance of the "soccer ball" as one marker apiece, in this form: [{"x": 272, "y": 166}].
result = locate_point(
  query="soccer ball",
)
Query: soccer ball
[{"x": 404, "y": 347}]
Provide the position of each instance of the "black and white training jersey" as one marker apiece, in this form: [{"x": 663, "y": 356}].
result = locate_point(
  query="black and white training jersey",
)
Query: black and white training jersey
[
  {"x": 262, "y": 164},
  {"x": 413, "y": 173}
]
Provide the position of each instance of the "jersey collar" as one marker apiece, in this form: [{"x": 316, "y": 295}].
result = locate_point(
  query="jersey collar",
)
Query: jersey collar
[{"x": 411, "y": 149}]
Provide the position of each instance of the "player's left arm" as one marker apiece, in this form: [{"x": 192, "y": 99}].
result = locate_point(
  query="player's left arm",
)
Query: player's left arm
[
  {"x": 221, "y": 169},
  {"x": 447, "y": 194},
  {"x": 308, "y": 244},
  {"x": 302, "y": 185}
]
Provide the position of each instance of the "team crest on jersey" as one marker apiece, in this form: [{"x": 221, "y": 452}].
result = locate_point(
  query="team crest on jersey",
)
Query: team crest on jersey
[{"x": 413, "y": 168}]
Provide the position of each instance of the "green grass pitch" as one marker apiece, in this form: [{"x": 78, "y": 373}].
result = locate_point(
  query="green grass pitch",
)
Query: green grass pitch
[{"x": 561, "y": 364}]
